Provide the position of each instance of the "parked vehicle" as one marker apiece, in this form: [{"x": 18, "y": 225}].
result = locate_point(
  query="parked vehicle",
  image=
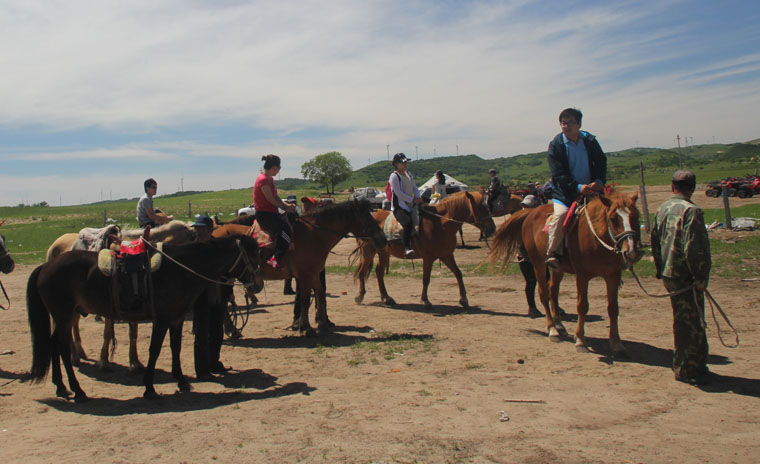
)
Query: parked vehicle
[
  {"x": 373, "y": 195},
  {"x": 742, "y": 187},
  {"x": 246, "y": 211}
]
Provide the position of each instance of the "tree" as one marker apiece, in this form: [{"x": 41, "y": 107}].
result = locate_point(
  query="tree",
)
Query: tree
[{"x": 327, "y": 169}]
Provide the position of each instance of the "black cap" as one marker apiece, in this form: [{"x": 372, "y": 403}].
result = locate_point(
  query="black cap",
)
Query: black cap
[
  {"x": 291, "y": 199},
  {"x": 684, "y": 177},
  {"x": 399, "y": 158},
  {"x": 203, "y": 221},
  {"x": 492, "y": 171}
]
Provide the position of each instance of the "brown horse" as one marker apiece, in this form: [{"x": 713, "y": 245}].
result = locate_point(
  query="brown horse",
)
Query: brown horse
[
  {"x": 314, "y": 235},
  {"x": 176, "y": 232},
  {"x": 6, "y": 261},
  {"x": 604, "y": 240},
  {"x": 437, "y": 240},
  {"x": 72, "y": 283},
  {"x": 506, "y": 204}
]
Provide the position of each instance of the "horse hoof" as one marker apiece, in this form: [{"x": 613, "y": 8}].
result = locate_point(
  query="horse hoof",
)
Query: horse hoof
[
  {"x": 389, "y": 301},
  {"x": 359, "y": 299},
  {"x": 621, "y": 354},
  {"x": 61, "y": 392},
  {"x": 184, "y": 387},
  {"x": 80, "y": 397},
  {"x": 308, "y": 332},
  {"x": 581, "y": 349},
  {"x": 136, "y": 367},
  {"x": 428, "y": 305},
  {"x": 555, "y": 338},
  {"x": 465, "y": 304},
  {"x": 330, "y": 324},
  {"x": 151, "y": 395}
]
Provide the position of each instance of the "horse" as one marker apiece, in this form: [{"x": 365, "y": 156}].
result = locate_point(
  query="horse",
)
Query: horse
[
  {"x": 603, "y": 241},
  {"x": 72, "y": 283},
  {"x": 314, "y": 235},
  {"x": 439, "y": 224},
  {"x": 6, "y": 261},
  {"x": 506, "y": 204},
  {"x": 176, "y": 232}
]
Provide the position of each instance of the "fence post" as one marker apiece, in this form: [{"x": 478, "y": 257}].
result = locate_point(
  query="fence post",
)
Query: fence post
[
  {"x": 644, "y": 203},
  {"x": 189, "y": 209},
  {"x": 727, "y": 208}
]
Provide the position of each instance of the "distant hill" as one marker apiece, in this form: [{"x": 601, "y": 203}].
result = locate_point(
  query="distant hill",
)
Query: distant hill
[{"x": 709, "y": 162}]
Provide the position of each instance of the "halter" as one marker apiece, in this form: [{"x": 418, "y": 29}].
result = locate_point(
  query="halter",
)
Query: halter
[{"x": 629, "y": 233}]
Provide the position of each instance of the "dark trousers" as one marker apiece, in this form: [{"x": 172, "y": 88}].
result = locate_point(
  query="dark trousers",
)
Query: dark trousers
[
  {"x": 405, "y": 219},
  {"x": 278, "y": 228},
  {"x": 530, "y": 282},
  {"x": 689, "y": 337},
  {"x": 208, "y": 320}
]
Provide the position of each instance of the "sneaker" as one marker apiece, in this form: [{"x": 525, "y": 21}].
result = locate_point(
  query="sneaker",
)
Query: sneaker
[
  {"x": 409, "y": 253},
  {"x": 273, "y": 262},
  {"x": 553, "y": 262}
]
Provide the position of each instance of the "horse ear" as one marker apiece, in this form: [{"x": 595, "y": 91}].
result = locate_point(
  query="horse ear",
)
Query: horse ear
[{"x": 634, "y": 197}]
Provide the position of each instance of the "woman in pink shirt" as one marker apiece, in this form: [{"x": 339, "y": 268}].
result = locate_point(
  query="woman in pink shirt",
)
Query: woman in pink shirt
[{"x": 267, "y": 205}]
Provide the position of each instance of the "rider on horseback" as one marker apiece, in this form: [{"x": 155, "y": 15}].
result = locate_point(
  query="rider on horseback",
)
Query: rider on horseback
[
  {"x": 266, "y": 202},
  {"x": 578, "y": 167},
  {"x": 405, "y": 196}
]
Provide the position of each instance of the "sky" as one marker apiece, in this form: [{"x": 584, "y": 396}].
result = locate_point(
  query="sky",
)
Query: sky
[{"x": 95, "y": 97}]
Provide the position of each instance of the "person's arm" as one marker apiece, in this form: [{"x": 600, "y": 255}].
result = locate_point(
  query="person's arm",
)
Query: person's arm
[
  {"x": 559, "y": 167},
  {"x": 697, "y": 247},
  {"x": 397, "y": 191},
  {"x": 158, "y": 219},
  {"x": 276, "y": 200}
]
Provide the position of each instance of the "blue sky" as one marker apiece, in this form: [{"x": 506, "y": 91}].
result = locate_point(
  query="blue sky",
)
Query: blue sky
[{"x": 98, "y": 96}]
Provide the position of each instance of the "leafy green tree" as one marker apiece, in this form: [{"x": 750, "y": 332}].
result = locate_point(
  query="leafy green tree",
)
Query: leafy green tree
[{"x": 327, "y": 169}]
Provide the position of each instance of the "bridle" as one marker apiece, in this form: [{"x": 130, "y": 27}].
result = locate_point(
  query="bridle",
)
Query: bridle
[{"x": 633, "y": 236}]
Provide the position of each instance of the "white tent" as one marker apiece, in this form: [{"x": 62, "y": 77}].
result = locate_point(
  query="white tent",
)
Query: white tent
[{"x": 450, "y": 182}]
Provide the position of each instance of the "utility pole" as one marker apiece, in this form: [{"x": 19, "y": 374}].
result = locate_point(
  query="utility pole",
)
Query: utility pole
[
  {"x": 388, "y": 150},
  {"x": 680, "y": 162},
  {"x": 457, "y": 149},
  {"x": 416, "y": 153},
  {"x": 435, "y": 152}
]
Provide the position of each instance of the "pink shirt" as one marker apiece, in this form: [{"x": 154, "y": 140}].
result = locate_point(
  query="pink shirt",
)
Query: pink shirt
[{"x": 260, "y": 202}]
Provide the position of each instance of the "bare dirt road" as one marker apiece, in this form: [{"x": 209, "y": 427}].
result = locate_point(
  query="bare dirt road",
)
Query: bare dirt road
[{"x": 403, "y": 384}]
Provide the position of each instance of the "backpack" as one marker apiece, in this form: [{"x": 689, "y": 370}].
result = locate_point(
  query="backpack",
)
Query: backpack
[{"x": 388, "y": 192}]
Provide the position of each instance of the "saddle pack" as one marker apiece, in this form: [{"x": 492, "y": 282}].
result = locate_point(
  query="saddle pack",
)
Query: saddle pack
[{"x": 130, "y": 270}]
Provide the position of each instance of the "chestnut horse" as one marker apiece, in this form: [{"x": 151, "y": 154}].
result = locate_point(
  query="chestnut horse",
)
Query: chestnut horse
[
  {"x": 314, "y": 235},
  {"x": 72, "y": 283},
  {"x": 437, "y": 239},
  {"x": 604, "y": 240}
]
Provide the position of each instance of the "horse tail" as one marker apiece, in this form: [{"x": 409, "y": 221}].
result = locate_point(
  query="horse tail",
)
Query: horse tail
[
  {"x": 39, "y": 325},
  {"x": 508, "y": 238}
]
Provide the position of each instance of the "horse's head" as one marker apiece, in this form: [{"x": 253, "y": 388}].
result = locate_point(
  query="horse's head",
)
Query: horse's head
[
  {"x": 366, "y": 226},
  {"x": 6, "y": 262},
  {"x": 480, "y": 214},
  {"x": 247, "y": 267},
  {"x": 623, "y": 220}
]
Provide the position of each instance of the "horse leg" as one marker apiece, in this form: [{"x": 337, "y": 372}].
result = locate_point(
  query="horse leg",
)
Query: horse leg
[
  {"x": 383, "y": 258},
  {"x": 175, "y": 341},
  {"x": 427, "y": 268},
  {"x": 304, "y": 297},
  {"x": 77, "y": 351},
  {"x": 134, "y": 361},
  {"x": 323, "y": 324},
  {"x": 62, "y": 337},
  {"x": 365, "y": 264},
  {"x": 613, "y": 284},
  {"x": 557, "y": 330},
  {"x": 543, "y": 294},
  {"x": 323, "y": 285},
  {"x": 156, "y": 340},
  {"x": 451, "y": 263},
  {"x": 109, "y": 338},
  {"x": 581, "y": 284},
  {"x": 55, "y": 368}
]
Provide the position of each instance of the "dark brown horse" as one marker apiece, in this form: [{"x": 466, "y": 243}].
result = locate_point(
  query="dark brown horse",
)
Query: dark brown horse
[
  {"x": 73, "y": 283},
  {"x": 437, "y": 240},
  {"x": 6, "y": 261},
  {"x": 314, "y": 235},
  {"x": 604, "y": 240}
]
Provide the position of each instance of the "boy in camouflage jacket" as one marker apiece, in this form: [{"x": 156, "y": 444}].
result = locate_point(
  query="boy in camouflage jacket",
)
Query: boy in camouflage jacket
[{"x": 681, "y": 251}]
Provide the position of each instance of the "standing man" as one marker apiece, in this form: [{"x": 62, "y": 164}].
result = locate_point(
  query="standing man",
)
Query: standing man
[
  {"x": 494, "y": 188},
  {"x": 681, "y": 251},
  {"x": 578, "y": 167},
  {"x": 146, "y": 214}
]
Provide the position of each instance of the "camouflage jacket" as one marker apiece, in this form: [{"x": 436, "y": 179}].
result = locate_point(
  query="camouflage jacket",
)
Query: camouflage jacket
[{"x": 680, "y": 245}]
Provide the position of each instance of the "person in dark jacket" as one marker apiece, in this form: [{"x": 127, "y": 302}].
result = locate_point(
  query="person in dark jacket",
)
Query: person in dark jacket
[{"x": 578, "y": 167}]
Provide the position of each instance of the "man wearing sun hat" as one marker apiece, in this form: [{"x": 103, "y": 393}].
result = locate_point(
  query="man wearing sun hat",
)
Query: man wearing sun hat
[{"x": 681, "y": 251}]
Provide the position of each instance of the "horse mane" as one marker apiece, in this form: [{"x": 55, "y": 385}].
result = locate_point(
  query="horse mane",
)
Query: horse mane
[
  {"x": 246, "y": 220},
  {"x": 458, "y": 203},
  {"x": 338, "y": 211},
  {"x": 601, "y": 205}
]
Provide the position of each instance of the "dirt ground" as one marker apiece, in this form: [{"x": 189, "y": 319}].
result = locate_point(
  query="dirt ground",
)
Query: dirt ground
[{"x": 404, "y": 384}]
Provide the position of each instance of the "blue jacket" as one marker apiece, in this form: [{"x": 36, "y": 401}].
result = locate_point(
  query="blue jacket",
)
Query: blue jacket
[{"x": 564, "y": 185}]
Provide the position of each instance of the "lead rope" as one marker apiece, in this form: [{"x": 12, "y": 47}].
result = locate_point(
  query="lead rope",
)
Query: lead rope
[{"x": 8, "y": 300}]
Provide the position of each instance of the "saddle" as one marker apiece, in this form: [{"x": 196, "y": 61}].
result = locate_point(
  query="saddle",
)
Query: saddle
[
  {"x": 571, "y": 219},
  {"x": 130, "y": 271},
  {"x": 95, "y": 239},
  {"x": 393, "y": 230}
]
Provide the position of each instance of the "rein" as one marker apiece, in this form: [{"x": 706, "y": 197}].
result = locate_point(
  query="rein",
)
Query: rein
[
  {"x": 616, "y": 239},
  {"x": 8, "y": 300},
  {"x": 477, "y": 219},
  {"x": 243, "y": 256}
]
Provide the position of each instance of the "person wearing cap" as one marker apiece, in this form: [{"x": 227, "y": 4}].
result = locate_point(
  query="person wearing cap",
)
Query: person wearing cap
[
  {"x": 494, "y": 189},
  {"x": 405, "y": 198},
  {"x": 681, "y": 251},
  {"x": 267, "y": 205},
  {"x": 209, "y": 314},
  {"x": 578, "y": 167},
  {"x": 291, "y": 218}
]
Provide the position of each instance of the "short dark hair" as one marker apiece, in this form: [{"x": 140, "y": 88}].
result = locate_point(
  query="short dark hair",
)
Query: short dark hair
[
  {"x": 149, "y": 183},
  {"x": 270, "y": 161},
  {"x": 571, "y": 113},
  {"x": 684, "y": 181}
]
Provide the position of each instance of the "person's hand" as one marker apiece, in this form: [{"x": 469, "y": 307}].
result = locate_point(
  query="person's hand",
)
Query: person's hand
[
  {"x": 586, "y": 189},
  {"x": 596, "y": 186},
  {"x": 417, "y": 201}
]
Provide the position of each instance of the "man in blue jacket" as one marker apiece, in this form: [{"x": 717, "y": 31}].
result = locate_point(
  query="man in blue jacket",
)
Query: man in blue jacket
[{"x": 578, "y": 167}]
